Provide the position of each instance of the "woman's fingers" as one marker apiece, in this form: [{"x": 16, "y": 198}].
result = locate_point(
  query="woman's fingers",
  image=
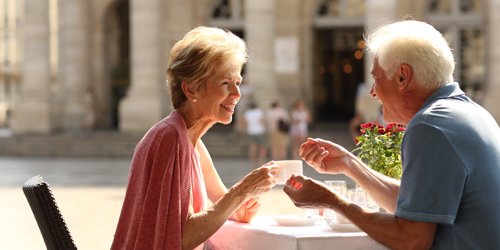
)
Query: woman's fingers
[
  {"x": 252, "y": 204},
  {"x": 274, "y": 170},
  {"x": 254, "y": 208},
  {"x": 261, "y": 180}
]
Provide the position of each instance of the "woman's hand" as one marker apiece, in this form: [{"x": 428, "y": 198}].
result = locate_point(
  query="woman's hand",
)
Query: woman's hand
[
  {"x": 325, "y": 156},
  {"x": 257, "y": 182},
  {"x": 247, "y": 211}
]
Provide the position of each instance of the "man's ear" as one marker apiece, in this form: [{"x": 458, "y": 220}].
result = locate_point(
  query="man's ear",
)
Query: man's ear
[
  {"x": 188, "y": 91},
  {"x": 405, "y": 75}
]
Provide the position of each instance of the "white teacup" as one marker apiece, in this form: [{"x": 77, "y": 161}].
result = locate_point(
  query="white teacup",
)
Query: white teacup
[{"x": 287, "y": 168}]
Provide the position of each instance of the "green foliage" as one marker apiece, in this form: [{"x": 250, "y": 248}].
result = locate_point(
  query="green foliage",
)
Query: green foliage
[{"x": 380, "y": 148}]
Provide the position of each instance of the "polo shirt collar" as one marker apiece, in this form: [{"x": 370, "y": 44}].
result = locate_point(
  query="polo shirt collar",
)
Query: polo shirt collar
[{"x": 447, "y": 91}]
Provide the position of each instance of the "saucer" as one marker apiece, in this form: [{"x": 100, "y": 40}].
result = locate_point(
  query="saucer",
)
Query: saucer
[
  {"x": 294, "y": 220},
  {"x": 348, "y": 227}
]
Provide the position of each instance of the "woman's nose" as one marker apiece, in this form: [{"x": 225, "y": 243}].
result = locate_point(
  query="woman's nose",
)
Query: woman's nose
[{"x": 235, "y": 91}]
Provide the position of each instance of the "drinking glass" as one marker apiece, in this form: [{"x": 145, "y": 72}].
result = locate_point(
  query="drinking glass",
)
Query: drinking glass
[
  {"x": 339, "y": 187},
  {"x": 358, "y": 196}
]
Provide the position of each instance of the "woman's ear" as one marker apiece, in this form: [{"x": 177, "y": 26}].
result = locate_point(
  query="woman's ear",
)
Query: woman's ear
[{"x": 188, "y": 91}]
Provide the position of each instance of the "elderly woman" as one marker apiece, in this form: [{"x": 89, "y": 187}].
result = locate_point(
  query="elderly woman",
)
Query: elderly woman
[{"x": 175, "y": 198}]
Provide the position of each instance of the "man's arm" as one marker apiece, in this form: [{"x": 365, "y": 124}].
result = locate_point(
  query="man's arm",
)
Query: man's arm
[
  {"x": 328, "y": 157},
  {"x": 383, "y": 189},
  {"x": 386, "y": 228}
]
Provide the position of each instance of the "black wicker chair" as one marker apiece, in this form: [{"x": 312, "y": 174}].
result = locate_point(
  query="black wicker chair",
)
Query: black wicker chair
[{"x": 48, "y": 217}]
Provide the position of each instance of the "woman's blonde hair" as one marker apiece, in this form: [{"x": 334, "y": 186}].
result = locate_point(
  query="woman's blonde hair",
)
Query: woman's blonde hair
[{"x": 198, "y": 55}]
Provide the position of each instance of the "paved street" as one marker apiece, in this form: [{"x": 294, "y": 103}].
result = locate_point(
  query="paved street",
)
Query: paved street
[{"x": 90, "y": 192}]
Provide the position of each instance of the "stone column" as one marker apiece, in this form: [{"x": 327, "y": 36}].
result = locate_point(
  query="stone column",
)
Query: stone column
[
  {"x": 31, "y": 112},
  {"x": 377, "y": 12},
  {"x": 492, "y": 89},
  {"x": 292, "y": 30},
  {"x": 260, "y": 35},
  {"x": 74, "y": 73},
  {"x": 141, "y": 107},
  {"x": 180, "y": 18}
]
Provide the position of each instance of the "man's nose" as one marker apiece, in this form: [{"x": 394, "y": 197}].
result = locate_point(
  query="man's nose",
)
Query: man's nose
[{"x": 372, "y": 92}]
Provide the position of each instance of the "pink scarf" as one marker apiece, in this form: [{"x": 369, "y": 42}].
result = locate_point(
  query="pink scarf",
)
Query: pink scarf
[{"x": 159, "y": 187}]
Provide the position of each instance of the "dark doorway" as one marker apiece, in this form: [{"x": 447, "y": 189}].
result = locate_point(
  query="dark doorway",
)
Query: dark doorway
[
  {"x": 339, "y": 69},
  {"x": 117, "y": 56}
]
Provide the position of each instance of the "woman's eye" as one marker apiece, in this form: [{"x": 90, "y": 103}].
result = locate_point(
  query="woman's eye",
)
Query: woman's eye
[{"x": 238, "y": 83}]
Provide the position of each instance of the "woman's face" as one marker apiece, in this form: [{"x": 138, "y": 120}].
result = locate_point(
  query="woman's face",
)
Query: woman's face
[{"x": 221, "y": 94}]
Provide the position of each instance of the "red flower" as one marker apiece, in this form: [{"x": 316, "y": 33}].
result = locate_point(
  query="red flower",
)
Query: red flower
[
  {"x": 391, "y": 125},
  {"x": 379, "y": 147},
  {"x": 367, "y": 125}
]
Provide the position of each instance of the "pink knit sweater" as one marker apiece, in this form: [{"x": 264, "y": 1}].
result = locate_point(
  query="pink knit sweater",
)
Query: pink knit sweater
[{"x": 159, "y": 188}]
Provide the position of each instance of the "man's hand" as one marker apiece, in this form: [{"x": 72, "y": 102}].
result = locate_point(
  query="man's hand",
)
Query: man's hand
[
  {"x": 308, "y": 193},
  {"x": 325, "y": 156}
]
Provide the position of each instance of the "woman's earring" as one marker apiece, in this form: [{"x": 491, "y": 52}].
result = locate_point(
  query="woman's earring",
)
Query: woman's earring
[{"x": 194, "y": 100}]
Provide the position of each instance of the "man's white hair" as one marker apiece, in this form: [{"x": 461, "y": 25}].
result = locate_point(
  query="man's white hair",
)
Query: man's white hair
[{"x": 417, "y": 44}]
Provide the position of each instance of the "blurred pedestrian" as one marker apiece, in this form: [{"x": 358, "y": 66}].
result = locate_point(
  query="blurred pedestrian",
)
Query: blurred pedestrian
[
  {"x": 247, "y": 94},
  {"x": 256, "y": 131},
  {"x": 278, "y": 124},
  {"x": 299, "y": 128}
]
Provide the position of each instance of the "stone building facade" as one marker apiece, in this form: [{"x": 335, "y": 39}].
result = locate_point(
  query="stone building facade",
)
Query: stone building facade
[{"x": 100, "y": 64}]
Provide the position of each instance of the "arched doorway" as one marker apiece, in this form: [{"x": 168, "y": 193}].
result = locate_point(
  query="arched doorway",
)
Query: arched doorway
[
  {"x": 339, "y": 71},
  {"x": 117, "y": 56}
]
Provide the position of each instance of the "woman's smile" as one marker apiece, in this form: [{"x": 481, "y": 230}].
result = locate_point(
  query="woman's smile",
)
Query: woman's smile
[{"x": 228, "y": 107}]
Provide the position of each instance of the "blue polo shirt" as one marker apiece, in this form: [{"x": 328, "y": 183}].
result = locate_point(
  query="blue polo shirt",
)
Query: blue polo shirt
[{"x": 451, "y": 171}]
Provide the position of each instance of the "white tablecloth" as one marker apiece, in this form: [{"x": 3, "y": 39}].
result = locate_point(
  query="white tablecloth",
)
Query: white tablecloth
[{"x": 263, "y": 234}]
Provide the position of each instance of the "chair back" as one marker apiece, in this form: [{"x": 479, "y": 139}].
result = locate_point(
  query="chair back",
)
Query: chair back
[{"x": 48, "y": 217}]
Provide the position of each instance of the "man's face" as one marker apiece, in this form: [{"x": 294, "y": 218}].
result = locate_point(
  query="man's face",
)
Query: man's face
[{"x": 387, "y": 93}]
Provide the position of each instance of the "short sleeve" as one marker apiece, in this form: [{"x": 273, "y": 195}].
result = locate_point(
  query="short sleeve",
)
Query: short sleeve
[{"x": 433, "y": 177}]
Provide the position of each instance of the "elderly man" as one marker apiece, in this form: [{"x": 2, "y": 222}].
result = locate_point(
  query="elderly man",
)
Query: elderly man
[{"x": 449, "y": 193}]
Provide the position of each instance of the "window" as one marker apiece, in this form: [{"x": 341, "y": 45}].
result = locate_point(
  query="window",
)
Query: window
[
  {"x": 228, "y": 14},
  {"x": 463, "y": 22}
]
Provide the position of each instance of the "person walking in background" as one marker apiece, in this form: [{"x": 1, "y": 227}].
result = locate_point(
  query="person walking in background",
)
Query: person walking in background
[
  {"x": 278, "y": 126},
  {"x": 175, "y": 199},
  {"x": 256, "y": 131},
  {"x": 449, "y": 193},
  {"x": 247, "y": 96},
  {"x": 299, "y": 128}
]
